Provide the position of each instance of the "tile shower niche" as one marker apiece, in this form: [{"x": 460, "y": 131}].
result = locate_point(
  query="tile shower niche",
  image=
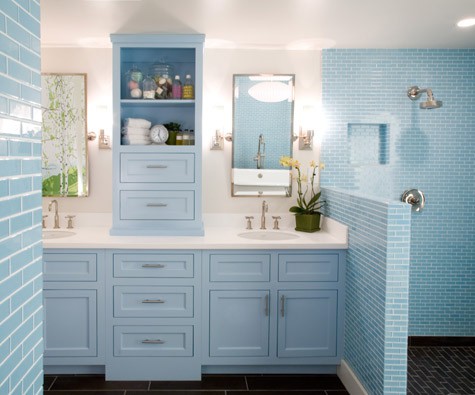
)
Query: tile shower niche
[{"x": 368, "y": 144}]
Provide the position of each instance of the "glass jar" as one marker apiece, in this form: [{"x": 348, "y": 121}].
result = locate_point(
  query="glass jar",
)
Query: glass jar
[
  {"x": 149, "y": 87},
  {"x": 162, "y": 74},
  {"x": 133, "y": 82}
]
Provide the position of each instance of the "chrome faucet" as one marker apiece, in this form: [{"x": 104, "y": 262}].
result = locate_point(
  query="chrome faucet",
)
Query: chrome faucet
[
  {"x": 261, "y": 152},
  {"x": 265, "y": 208},
  {"x": 56, "y": 215}
]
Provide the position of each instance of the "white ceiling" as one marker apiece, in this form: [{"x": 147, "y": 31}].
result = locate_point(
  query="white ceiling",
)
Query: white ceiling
[{"x": 264, "y": 24}]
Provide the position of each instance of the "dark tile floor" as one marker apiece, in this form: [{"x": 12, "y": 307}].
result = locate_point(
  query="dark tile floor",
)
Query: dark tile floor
[
  {"x": 210, "y": 385},
  {"x": 441, "y": 371}
]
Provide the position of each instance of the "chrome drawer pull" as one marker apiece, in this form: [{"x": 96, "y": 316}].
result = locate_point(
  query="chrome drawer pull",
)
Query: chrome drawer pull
[
  {"x": 153, "y": 301},
  {"x": 267, "y": 305},
  {"x": 157, "y": 166},
  {"x": 154, "y": 265},
  {"x": 152, "y": 341},
  {"x": 157, "y": 205},
  {"x": 282, "y": 305}
]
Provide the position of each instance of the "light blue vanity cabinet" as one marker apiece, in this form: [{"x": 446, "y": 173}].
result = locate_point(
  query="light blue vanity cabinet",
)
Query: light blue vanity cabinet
[
  {"x": 273, "y": 308},
  {"x": 74, "y": 305},
  {"x": 153, "y": 316},
  {"x": 157, "y": 187}
]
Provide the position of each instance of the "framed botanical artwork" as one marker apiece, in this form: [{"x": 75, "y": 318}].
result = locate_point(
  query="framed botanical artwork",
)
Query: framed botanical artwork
[{"x": 64, "y": 135}]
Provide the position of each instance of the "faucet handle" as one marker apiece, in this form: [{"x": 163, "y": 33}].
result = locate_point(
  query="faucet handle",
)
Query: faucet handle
[
  {"x": 249, "y": 224},
  {"x": 70, "y": 221},
  {"x": 276, "y": 222},
  {"x": 43, "y": 223}
]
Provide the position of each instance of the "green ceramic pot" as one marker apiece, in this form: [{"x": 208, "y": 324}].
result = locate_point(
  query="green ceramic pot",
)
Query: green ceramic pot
[
  {"x": 171, "y": 137},
  {"x": 307, "y": 222}
]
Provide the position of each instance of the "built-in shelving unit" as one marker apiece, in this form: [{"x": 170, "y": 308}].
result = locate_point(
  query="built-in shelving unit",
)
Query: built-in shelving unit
[{"x": 153, "y": 203}]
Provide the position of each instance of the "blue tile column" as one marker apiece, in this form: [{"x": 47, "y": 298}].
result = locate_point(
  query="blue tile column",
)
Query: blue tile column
[{"x": 21, "y": 315}]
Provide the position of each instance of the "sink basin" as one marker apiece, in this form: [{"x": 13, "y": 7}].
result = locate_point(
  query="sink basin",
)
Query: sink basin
[
  {"x": 57, "y": 234},
  {"x": 268, "y": 235}
]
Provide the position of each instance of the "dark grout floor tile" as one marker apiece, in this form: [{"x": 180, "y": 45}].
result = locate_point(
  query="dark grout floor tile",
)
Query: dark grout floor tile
[
  {"x": 311, "y": 382},
  {"x": 70, "y": 392},
  {"x": 208, "y": 382},
  {"x": 441, "y": 370},
  {"x": 276, "y": 392},
  {"x": 47, "y": 381},
  {"x": 177, "y": 392},
  {"x": 95, "y": 383}
]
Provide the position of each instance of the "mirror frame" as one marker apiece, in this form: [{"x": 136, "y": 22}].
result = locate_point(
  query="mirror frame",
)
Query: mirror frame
[
  {"x": 287, "y": 191},
  {"x": 64, "y": 135}
]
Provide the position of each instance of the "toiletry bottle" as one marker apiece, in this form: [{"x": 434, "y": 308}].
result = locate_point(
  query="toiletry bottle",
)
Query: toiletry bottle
[
  {"x": 192, "y": 137},
  {"x": 186, "y": 137},
  {"x": 179, "y": 138},
  {"x": 188, "y": 88},
  {"x": 176, "y": 88}
]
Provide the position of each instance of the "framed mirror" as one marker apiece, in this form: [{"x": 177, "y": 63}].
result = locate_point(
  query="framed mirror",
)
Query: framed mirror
[
  {"x": 263, "y": 110},
  {"x": 64, "y": 135}
]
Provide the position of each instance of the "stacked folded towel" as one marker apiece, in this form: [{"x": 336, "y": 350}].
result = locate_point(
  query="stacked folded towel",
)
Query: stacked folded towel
[{"x": 136, "y": 131}]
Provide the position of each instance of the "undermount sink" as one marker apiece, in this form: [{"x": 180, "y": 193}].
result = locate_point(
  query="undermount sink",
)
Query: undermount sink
[
  {"x": 268, "y": 235},
  {"x": 57, "y": 234}
]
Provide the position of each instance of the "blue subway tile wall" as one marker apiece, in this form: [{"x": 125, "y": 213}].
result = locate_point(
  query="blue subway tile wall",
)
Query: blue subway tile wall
[
  {"x": 431, "y": 150},
  {"x": 377, "y": 287},
  {"x": 21, "y": 322}
]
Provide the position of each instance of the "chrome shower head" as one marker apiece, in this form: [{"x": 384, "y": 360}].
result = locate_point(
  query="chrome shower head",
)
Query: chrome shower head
[{"x": 414, "y": 93}]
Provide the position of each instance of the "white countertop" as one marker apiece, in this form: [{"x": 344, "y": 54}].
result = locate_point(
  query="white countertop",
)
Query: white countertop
[{"x": 332, "y": 236}]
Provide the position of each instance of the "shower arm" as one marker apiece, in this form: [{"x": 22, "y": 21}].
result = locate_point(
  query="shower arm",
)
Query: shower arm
[{"x": 415, "y": 93}]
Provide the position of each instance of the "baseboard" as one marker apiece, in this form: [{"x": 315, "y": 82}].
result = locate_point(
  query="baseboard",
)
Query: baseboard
[
  {"x": 441, "y": 341},
  {"x": 349, "y": 380}
]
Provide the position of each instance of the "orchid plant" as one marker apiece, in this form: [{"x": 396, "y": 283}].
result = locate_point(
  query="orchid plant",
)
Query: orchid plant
[{"x": 308, "y": 201}]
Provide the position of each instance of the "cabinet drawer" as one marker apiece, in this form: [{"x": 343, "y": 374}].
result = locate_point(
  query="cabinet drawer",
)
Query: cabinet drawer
[
  {"x": 153, "y": 301},
  {"x": 308, "y": 267},
  {"x": 157, "y": 168},
  {"x": 154, "y": 265},
  {"x": 153, "y": 341},
  {"x": 157, "y": 205},
  {"x": 239, "y": 267},
  {"x": 69, "y": 267}
]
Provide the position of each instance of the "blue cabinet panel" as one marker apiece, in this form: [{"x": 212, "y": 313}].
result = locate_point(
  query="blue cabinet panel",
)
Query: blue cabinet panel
[
  {"x": 69, "y": 267},
  {"x": 239, "y": 323},
  {"x": 308, "y": 267},
  {"x": 70, "y": 323},
  {"x": 171, "y": 168},
  {"x": 153, "y": 341},
  {"x": 307, "y": 323},
  {"x": 146, "y": 265},
  {"x": 156, "y": 301},
  {"x": 157, "y": 205},
  {"x": 239, "y": 267}
]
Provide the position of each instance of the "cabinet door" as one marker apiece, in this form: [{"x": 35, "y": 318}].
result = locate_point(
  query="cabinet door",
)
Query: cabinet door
[
  {"x": 70, "y": 322},
  {"x": 239, "y": 323},
  {"x": 307, "y": 323}
]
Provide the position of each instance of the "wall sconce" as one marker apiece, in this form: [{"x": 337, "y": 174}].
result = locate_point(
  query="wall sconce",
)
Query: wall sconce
[
  {"x": 217, "y": 142},
  {"x": 306, "y": 139},
  {"x": 306, "y": 133},
  {"x": 104, "y": 140}
]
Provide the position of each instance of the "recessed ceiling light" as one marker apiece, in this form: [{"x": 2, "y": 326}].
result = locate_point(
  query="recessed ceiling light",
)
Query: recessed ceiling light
[{"x": 467, "y": 22}]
